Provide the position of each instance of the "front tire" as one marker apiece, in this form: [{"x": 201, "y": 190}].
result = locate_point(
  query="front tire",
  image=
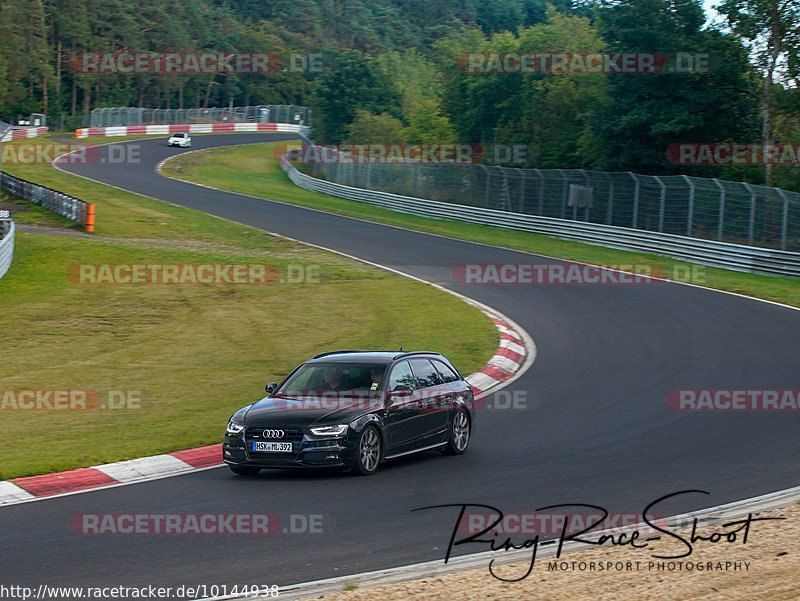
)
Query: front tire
[
  {"x": 459, "y": 435},
  {"x": 368, "y": 452},
  {"x": 244, "y": 470}
]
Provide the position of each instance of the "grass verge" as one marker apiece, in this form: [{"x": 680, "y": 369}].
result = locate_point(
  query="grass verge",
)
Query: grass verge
[
  {"x": 184, "y": 356},
  {"x": 251, "y": 169}
]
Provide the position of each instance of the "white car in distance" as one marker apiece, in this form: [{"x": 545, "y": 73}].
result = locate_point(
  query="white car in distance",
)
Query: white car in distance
[{"x": 181, "y": 139}]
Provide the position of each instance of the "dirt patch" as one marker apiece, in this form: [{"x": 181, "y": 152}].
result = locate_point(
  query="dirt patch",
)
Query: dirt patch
[
  {"x": 763, "y": 569},
  {"x": 53, "y": 231},
  {"x": 10, "y": 204}
]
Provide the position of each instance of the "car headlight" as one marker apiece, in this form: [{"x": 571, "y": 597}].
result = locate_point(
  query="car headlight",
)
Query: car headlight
[
  {"x": 233, "y": 428},
  {"x": 329, "y": 430}
]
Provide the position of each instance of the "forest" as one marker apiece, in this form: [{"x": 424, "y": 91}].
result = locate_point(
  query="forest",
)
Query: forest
[{"x": 394, "y": 71}]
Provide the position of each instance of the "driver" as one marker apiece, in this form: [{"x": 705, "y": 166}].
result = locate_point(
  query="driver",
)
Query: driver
[{"x": 332, "y": 378}]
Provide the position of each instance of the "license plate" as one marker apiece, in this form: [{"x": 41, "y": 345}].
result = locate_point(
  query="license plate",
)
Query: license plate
[{"x": 273, "y": 447}]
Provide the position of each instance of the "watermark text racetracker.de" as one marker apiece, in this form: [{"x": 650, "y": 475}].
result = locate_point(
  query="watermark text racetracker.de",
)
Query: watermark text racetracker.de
[
  {"x": 420, "y": 400},
  {"x": 583, "y": 63},
  {"x": 717, "y": 399},
  {"x": 555, "y": 523},
  {"x": 575, "y": 273},
  {"x": 193, "y": 63},
  {"x": 44, "y": 153},
  {"x": 726, "y": 153},
  {"x": 18, "y": 399},
  {"x": 195, "y": 524},
  {"x": 392, "y": 153},
  {"x": 193, "y": 273}
]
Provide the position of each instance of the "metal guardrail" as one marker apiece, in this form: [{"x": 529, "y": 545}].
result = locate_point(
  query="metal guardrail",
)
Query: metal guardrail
[
  {"x": 65, "y": 205},
  {"x": 20, "y": 133},
  {"x": 696, "y": 250},
  {"x": 266, "y": 113},
  {"x": 7, "y": 229},
  {"x": 725, "y": 211},
  {"x": 193, "y": 128}
]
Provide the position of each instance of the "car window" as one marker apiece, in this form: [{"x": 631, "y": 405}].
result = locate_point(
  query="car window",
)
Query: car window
[
  {"x": 448, "y": 375},
  {"x": 299, "y": 380},
  {"x": 402, "y": 374},
  {"x": 425, "y": 372},
  {"x": 333, "y": 376}
]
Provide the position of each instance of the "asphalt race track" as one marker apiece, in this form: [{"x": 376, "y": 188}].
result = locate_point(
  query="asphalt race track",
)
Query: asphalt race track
[{"x": 597, "y": 428}]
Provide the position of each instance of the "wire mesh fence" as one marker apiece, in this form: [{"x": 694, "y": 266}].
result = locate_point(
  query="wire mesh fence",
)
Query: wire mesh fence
[
  {"x": 266, "y": 113},
  {"x": 735, "y": 212},
  {"x": 68, "y": 122}
]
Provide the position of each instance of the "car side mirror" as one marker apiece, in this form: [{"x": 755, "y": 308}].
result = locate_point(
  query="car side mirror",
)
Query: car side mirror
[
  {"x": 400, "y": 391},
  {"x": 271, "y": 387}
]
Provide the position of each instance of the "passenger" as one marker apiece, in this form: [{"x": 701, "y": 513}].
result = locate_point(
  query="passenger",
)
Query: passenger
[{"x": 375, "y": 374}]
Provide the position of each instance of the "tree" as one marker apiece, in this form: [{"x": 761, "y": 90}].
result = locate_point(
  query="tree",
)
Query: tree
[
  {"x": 368, "y": 128},
  {"x": 427, "y": 124},
  {"x": 351, "y": 81},
  {"x": 549, "y": 113},
  {"x": 772, "y": 31},
  {"x": 649, "y": 112},
  {"x": 553, "y": 112},
  {"x": 786, "y": 128},
  {"x": 415, "y": 77},
  {"x": 473, "y": 101},
  {"x": 25, "y": 52}
]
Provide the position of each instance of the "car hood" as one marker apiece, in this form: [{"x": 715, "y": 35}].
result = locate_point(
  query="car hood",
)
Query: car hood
[{"x": 303, "y": 412}]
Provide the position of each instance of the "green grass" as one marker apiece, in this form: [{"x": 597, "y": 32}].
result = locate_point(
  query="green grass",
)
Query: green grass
[
  {"x": 252, "y": 170},
  {"x": 192, "y": 353}
]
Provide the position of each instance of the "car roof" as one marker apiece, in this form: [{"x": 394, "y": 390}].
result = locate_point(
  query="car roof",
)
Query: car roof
[{"x": 383, "y": 357}]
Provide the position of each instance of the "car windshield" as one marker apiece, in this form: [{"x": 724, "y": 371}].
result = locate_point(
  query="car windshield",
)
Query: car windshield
[
  {"x": 179, "y": 135},
  {"x": 323, "y": 377}
]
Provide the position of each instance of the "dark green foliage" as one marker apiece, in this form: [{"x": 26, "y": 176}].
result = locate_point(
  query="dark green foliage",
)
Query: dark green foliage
[
  {"x": 392, "y": 67},
  {"x": 648, "y": 113},
  {"x": 349, "y": 82}
]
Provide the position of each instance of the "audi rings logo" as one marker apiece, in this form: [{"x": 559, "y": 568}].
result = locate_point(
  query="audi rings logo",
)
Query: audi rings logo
[{"x": 272, "y": 433}]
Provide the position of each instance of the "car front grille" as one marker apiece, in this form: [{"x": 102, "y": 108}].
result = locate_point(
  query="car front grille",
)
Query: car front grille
[
  {"x": 292, "y": 435},
  {"x": 289, "y": 434}
]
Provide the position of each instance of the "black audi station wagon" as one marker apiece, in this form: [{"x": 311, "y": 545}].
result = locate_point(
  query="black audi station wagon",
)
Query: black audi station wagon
[{"x": 352, "y": 410}]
